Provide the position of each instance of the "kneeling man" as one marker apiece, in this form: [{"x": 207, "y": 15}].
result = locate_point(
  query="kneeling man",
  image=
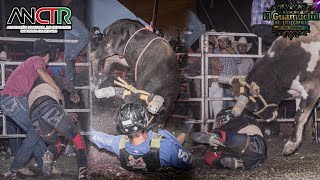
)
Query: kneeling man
[
  {"x": 49, "y": 120},
  {"x": 237, "y": 140}
]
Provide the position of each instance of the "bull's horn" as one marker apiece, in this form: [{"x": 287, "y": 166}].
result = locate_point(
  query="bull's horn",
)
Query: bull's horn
[
  {"x": 225, "y": 79},
  {"x": 240, "y": 105}
]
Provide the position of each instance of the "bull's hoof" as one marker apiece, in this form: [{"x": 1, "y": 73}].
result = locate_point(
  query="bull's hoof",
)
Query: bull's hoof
[{"x": 289, "y": 148}]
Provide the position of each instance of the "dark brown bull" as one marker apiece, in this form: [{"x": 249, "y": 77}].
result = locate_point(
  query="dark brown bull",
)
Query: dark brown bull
[{"x": 152, "y": 67}]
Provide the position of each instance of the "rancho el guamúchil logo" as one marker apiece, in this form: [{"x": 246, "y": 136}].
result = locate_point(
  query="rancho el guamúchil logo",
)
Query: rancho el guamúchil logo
[
  {"x": 39, "y": 20},
  {"x": 291, "y": 19}
]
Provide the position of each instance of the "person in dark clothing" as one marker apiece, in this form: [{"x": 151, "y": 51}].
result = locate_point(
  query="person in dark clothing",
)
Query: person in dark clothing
[
  {"x": 49, "y": 119},
  {"x": 238, "y": 141}
]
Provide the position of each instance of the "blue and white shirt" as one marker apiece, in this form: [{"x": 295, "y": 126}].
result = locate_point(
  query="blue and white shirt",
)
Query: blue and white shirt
[
  {"x": 172, "y": 153},
  {"x": 230, "y": 64}
]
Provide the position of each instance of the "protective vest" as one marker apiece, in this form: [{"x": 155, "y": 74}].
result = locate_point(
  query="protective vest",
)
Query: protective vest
[{"x": 147, "y": 162}]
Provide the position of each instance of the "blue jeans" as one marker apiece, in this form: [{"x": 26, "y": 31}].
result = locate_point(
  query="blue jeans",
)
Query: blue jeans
[
  {"x": 12, "y": 128},
  {"x": 196, "y": 27},
  {"x": 71, "y": 50},
  {"x": 17, "y": 108}
]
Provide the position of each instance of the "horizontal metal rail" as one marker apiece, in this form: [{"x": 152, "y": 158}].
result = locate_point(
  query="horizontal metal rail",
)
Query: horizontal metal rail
[
  {"x": 221, "y": 99},
  {"x": 16, "y": 63},
  {"x": 194, "y": 122},
  {"x": 179, "y": 116},
  {"x": 216, "y": 99},
  {"x": 210, "y": 121},
  {"x": 222, "y": 55},
  {"x": 190, "y": 100},
  {"x": 230, "y": 34},
  {"x": 13, "y": 136},
  {"x": 236, "y": 55},
  {"x": 191, "y": 77},
  {"x": 77, "y": 110},
  {"x": 190, "y": 54},
  {"x": 82, "y": 87},
  {"x": 208, "y": 99},
  {"x": 16, "y": 39}
]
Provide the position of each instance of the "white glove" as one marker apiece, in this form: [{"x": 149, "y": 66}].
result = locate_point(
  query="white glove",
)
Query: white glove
[
  {"x": 155, "y": 104},
  {"x": 109, "y": 92},
  {"x": 240, "y": 105},
  {"x": 225, "y": 79},
  {"x": 105, "y": 92}
]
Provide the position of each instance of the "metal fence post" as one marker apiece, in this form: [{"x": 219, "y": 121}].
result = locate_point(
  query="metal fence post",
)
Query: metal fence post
[
  {"x": 206, "y": 83},
  {"x": 203, "y": 115},
  {"x": 90, "y": 84}
]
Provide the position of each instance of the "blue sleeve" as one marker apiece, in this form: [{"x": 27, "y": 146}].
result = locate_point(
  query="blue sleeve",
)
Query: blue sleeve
[
  {"x": 175, "y": 155},
  {"x": 172, "y": 153},
  {"x": 106, "y": 141}
]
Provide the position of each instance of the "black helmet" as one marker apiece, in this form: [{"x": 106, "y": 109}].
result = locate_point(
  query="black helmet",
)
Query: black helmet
[
  {"x": 224, "y": 116},
  {"x": 132, "y": 118}
]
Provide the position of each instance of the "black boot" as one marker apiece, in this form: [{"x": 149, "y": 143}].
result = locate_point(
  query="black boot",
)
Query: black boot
[
  {"x": 47, "y": 163},
  {"x": 82, "y": 164},
  {"x": 83, "y": 173}
]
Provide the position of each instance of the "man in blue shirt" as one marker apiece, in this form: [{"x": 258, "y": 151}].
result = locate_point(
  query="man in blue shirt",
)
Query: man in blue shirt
[{"x": 139, "y": 149}]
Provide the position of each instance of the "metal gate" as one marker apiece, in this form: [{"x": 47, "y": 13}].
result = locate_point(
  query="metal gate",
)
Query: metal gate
[{"x": 4, "y": 64}]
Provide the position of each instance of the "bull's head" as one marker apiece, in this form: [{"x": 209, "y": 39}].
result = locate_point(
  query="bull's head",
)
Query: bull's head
[
  {"x": 116, "y": 37},
  {"x": 111, "y": 47},
  {"x": 249, "y": 96},
  {"x": 259, "y": 107}
]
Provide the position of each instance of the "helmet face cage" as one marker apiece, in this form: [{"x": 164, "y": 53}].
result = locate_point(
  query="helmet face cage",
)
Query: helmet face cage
[
  {"x": 224, "y": 116},
  {"x": 132, "y": 118}
]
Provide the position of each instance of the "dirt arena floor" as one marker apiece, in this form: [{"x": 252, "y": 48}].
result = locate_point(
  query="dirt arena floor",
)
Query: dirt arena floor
[
  {"x": 304, "y": 164},
  {"x": 67, "y": 164}
]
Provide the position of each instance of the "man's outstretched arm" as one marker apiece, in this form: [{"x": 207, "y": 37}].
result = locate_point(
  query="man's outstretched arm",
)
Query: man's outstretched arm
[{"x": 105, "y": 141}]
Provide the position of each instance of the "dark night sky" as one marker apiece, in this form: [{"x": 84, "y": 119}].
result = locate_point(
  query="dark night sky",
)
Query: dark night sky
[
  {"x": 222, "y": 15},
  {"x": 79, "y": 11}
]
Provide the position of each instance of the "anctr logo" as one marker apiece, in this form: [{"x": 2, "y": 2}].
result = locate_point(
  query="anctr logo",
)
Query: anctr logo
[{"x": 31, "y": 21}]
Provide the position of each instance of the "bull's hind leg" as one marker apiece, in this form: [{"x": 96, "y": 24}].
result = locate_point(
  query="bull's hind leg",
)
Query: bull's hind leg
[{"x": 301, "y": 117}]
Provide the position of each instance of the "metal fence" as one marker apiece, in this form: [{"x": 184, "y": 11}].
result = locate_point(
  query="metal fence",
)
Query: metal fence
[{"x": 3, "y": 67}]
